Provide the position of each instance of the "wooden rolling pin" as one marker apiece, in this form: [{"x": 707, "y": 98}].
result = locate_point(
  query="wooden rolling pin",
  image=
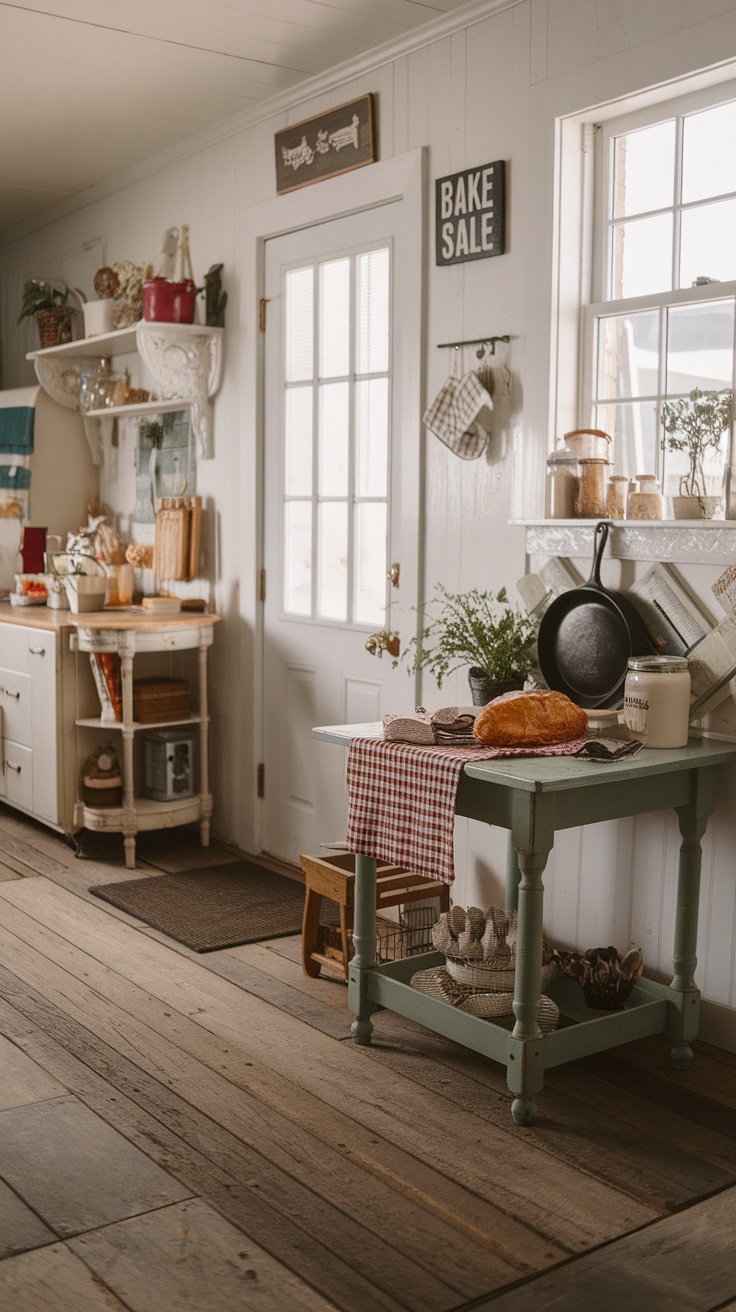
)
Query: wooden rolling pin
[{"x": 195, "y": 535}]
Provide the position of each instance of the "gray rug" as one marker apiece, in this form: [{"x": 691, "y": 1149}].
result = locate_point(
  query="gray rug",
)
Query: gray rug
[{"x": 218, "y": 907}]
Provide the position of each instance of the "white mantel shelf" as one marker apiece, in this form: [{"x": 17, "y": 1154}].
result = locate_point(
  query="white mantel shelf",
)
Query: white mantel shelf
[
  {"x": 683, "y": 541},
  {"x": 184, "y": 359}
]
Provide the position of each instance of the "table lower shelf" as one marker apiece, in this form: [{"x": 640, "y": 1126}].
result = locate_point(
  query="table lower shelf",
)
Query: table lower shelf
[
  {"x": 149, "y": 814},
  {"x": 645, "y": 1012}
]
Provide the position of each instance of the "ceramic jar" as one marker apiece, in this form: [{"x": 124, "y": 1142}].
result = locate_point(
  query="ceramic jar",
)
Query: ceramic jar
[
  {"x": 645, "y": 500},
  {"x": 657, "y": 700}
]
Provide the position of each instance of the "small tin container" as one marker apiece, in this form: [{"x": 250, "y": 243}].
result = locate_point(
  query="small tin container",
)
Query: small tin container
[{"x": 657, "y": 700}]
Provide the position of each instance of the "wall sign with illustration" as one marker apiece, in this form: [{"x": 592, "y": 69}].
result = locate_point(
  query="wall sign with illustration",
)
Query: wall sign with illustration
[
  {"x": 334, "y": 142},
  {"x": 470, "y": 214}
]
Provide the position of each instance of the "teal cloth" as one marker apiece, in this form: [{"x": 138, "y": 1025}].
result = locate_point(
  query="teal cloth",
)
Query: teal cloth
[
  {"x": 18, "y": 481},
  {"x": 16, "y": 429}
]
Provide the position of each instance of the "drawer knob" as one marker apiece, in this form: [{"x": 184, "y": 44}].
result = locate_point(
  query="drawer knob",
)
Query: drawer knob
[
  {"x": 14, "y": 695},
  {"x": 10, "y": 766},
  {"x": 37, "y": 651}
]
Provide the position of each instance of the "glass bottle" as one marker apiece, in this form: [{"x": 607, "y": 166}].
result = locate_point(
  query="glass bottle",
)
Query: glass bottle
[
  {"x": 645, "y": 499},
  {"x": 616, "y": 495},
  {"x": 657, "y": 700}
]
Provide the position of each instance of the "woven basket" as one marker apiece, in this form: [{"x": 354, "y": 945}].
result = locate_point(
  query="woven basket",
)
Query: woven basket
[
  {"x": 477, "y": 976},
  {"x": 437, "y": 983},
  {"x": 54, "y": 325}
]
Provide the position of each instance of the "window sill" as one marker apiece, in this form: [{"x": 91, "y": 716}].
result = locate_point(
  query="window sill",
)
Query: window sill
[{"x": 682, "y": 541}]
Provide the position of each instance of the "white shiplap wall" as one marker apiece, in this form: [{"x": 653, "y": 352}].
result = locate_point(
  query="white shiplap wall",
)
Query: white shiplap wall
[{"x": 491, "y": 90}]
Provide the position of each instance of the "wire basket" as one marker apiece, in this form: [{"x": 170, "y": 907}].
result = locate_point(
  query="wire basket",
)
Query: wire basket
[{"x": 409, "y": 937}]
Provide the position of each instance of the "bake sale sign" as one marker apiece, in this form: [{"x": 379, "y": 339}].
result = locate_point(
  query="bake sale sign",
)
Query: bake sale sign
[{"x": 470, "y": 214}]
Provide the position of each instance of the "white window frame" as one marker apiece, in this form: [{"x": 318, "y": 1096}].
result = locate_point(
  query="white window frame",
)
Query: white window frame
[{"x": 600, "y": 247}]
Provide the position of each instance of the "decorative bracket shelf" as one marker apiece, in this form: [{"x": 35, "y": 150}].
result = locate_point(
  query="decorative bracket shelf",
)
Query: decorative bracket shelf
[
  {"x": 698, "y": 542},
  {"x": 185, "y": 361}
]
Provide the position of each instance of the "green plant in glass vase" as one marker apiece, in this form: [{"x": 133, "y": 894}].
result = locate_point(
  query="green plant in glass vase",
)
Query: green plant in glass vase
[
  {"x": 695, "y": 425},
  {"x": 476, "y": 629}
]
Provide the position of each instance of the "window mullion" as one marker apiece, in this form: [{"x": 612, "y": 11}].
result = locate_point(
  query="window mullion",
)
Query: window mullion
[
  {"x": 677, "y": 200},
  {"x": 352, "y": 554}
]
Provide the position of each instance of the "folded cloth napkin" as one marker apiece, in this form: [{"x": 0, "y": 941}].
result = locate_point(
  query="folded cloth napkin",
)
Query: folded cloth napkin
[
  {"x": 609, "y": 749},
  {"x": 445, "y": 726},
  {"x": 460, "y": 415},
  {"x": 401, "y": 799}
]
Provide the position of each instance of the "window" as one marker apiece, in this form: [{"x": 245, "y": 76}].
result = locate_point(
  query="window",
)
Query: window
[
  {"x": 665, "y": 273},
  {"x": 336, "y": 431}
]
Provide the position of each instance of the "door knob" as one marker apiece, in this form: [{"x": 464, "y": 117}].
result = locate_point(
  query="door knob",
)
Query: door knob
[
  {"x": 393, "y": 574},
  {"x": 378, "y": 643}
]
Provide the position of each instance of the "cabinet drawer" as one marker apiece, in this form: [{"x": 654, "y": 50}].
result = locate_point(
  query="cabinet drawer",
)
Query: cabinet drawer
[
  {"x": 14, "y": 643},
  {"x": 15, "y": 703},
  {"x": 16, "y": 781}
]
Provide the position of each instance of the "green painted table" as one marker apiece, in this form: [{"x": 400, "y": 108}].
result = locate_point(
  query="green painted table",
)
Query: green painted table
[{"x": 532, "y": 798}]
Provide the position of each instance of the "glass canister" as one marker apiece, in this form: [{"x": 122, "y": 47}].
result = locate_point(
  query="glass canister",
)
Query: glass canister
[
  {"x": 617, "y": 491},
  {"x": 657, "y": 700},
  {"x": 562, "y": 485},
  {"x": 590, "y": 502},
  {"x": 645, "y": 500}
]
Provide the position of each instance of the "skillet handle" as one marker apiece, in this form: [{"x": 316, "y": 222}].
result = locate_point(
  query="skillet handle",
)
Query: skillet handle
[{"x": 600, "y": 540}]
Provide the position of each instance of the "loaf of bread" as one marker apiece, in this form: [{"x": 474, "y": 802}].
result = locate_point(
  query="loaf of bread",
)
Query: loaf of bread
[{"x": 532, "y": 719}]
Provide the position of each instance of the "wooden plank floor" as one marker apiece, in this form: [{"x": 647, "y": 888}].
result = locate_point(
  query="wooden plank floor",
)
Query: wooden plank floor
[{"x": 185, "y": 1131}]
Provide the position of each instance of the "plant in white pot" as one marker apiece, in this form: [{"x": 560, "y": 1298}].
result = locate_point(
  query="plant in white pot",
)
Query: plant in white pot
[
  {"x": 695, "y": 425},
  {"x": 479, "y": 630}
]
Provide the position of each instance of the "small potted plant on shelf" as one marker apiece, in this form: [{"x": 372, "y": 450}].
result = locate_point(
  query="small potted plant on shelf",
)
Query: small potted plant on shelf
[
  {"x": 479, "y": 630},
  {"x": 47, "y": 300},
  {"x": 696, "y": 425}
]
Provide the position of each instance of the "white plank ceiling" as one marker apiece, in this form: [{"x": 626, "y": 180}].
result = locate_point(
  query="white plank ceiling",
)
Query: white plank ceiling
[{"x": 90, "y": 87}]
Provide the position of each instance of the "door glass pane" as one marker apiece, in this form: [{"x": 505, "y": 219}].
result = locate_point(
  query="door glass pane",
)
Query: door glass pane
[
  {"x": 299, "y": 324},
  {"x": 709, "y": 153},
  {"x": 332, "y": 601},
  {"x": 371, "y": 417},
  {"x": 334, "y": 311},
  {"x": 373, "y": 309},
  {"x": 334, "y": 439},
  {"x": 644, "y": 170},
  {"x": 633, "y": 427},
  {"x": 700, "y": 340},
  {"x": 298, "y": 437},
  {"x": 628, "y": 355},
  {"x": 370, "y": 563},
  {"x": 707, "y": 244},
  {"x": 641, "y": 258},
  {"x": 298, "y": 557}
]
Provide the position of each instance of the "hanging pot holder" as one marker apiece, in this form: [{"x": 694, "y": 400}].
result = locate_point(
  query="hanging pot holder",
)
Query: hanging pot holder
[{"x": 460, "y": 416}]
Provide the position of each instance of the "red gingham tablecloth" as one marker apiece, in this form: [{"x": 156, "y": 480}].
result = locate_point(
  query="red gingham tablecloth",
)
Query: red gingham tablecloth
[{"x": 401, "y": 799}]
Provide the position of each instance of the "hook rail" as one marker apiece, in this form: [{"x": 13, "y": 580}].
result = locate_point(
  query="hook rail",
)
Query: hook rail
[{"x": 474, "y": 341}]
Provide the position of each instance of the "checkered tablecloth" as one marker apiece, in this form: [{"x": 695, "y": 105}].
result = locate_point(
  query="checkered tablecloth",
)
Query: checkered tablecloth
[{"x": 401, "y": 800}]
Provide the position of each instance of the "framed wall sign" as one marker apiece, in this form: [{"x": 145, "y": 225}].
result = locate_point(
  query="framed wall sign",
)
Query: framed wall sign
[
  {"x": 334, "y": 142},
  {"x": 470, "y": 214}
]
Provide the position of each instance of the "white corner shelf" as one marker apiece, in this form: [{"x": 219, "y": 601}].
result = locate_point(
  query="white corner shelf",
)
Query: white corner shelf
[
  {"x": 184, "y": 359},
  {"x": 677, "y": 541}
]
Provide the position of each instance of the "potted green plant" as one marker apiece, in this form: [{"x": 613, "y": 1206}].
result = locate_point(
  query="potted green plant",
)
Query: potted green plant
[
  {"x": 696, "y": 425},
  {"x": 46, "y": 300},
  {"x": 479, "y": 630}
]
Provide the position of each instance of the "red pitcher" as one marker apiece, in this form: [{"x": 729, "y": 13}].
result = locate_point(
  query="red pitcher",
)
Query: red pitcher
[{"x": 168, "y": 302}]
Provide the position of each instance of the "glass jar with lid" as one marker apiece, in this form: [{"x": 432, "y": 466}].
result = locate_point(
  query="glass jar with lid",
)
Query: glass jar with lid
[
  {"x": 645, "y": 500},
  {"x": 590, "y": 502},
  {"x": 657, "y": 700},
  {"x": 562, "y": 485}
]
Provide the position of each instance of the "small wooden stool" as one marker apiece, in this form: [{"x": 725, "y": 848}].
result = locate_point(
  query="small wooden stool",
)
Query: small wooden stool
[{"x": 334, "y": 877}]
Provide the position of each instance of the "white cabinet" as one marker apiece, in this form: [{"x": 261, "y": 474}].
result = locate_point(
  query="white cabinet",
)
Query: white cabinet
[{"x": 31, "y": 697}]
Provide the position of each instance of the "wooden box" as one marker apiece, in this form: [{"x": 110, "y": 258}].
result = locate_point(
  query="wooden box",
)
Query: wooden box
[{"x": 158, "y": 700}]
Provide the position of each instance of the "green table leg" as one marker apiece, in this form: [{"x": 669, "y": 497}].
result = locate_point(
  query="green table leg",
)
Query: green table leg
[
  {"x": 364, "y": 942},
  {"x": 513, "y": 875},
  {"x": 693, "y": 820},
  {"x": 532, "y": 836}
]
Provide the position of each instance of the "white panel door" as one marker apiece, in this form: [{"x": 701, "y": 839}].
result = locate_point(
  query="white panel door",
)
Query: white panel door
[{"x": 332, "y": 463}]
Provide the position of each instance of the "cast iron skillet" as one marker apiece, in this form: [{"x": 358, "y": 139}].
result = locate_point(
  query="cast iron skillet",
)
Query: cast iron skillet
[{"x": 586, "y": 637}]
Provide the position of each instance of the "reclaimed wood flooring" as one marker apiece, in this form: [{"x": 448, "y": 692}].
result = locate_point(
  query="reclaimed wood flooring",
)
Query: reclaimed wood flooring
[{"x": 182, "y": 1132}]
